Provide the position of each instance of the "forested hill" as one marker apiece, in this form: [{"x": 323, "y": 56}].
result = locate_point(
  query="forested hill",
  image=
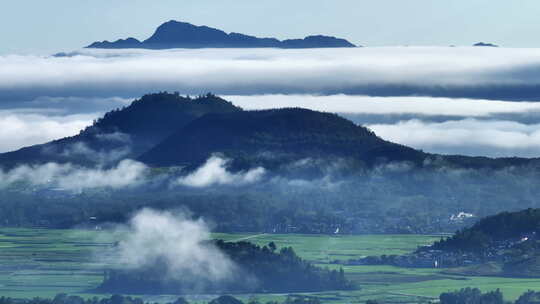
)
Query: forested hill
[
  {"x": 512, "y": 227},
  {"x": 123, "y": 133},
  {"x": 175, "y": 34},
  {"x": 506, "y": 244},
  {"x": 159, "y": 114},
  {"x": 272, "y": 138},
  {"x": 259, "y": 269},
  {"x": 279, "y": 137},
  {"x": 168, "y": 130}
]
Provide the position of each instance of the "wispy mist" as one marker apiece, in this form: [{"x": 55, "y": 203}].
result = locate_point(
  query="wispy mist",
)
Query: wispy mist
[
  {"x": 215, "y": 172},
  {"x": 74, "y": 178}
]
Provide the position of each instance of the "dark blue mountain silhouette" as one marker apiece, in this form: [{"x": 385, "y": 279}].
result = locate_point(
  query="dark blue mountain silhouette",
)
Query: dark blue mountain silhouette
[
  {"x": 175, "y": 34},
  {"x": 485, "y": 44}
]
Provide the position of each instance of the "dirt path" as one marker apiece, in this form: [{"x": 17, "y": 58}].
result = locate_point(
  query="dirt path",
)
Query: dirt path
[{"x": 249, "y": 237}]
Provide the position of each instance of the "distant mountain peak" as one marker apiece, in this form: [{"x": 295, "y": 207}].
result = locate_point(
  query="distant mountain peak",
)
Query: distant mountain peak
[
  {"x": 178, "y": 34},
  {"x": 483, "y": 44}
]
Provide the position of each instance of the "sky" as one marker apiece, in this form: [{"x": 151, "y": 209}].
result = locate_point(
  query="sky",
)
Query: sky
[{"x": 32, "y": 26}]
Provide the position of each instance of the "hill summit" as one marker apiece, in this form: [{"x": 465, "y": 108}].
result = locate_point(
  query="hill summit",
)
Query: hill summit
[
  {"x": 175, "y": 34},
  {"x": 123, "y": 133}
]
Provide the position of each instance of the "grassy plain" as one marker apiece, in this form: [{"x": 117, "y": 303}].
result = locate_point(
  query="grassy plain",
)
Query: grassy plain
[{"x": 39, "y": 262}]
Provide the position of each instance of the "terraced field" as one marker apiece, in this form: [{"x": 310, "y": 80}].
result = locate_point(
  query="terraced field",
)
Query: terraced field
[{"x": 38, "y": 262}]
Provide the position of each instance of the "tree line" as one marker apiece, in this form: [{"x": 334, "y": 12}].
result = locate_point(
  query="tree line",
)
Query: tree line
[{"x": 261, "y": 269}]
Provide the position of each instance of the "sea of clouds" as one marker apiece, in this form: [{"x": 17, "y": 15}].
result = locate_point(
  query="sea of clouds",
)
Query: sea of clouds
[
  {"x": 392, "y": 71},
  {"x": 446, "y": 100}
]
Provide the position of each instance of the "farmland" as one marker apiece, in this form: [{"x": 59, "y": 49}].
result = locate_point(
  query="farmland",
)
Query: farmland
[{"x": 43, "y": 262}]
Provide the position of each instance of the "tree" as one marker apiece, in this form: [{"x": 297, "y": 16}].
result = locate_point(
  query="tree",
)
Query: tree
[
  {"x": 530, "y": 297},
  {"x": 226, "y": 300}
]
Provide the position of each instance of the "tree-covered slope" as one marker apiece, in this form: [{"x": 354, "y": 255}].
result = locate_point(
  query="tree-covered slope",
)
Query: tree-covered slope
[
  {"x": 272, "y": 138},
  {"x": 257, "y": 269},
  {"x": 503, "y": 227},
  {"x": 506, "y": 244},
  {"x": 122, "y": 133}
]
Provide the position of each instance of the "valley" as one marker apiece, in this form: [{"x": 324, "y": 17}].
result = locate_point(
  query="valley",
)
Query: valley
[{"x": 44, "y": 262}]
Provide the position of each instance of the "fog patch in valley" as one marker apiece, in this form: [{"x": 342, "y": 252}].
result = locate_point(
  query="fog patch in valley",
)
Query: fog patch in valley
[
  {"x": 171, "y": 239},
  {"x": 75, "y": 178}
]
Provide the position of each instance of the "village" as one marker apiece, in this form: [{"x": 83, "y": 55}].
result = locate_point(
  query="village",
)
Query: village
[{"x": 427, "y": 257}]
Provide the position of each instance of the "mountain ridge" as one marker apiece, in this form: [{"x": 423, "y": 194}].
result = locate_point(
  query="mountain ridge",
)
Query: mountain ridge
[{"x": 175, "y": 34}]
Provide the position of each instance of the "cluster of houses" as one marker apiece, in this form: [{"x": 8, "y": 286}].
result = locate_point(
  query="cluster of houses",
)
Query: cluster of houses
[{"x": 427, "y": 257}]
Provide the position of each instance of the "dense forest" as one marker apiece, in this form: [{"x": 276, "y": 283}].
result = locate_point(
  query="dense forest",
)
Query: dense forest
[
  {"x": 391, "y": 200},
  {"x": 475, "y": 296},
  {"x": 261, "y": 270},
  {"x": 498, "y": 228}
]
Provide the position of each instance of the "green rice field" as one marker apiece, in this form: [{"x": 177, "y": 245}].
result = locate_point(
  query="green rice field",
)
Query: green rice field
[{"x": 44, "y": 262}]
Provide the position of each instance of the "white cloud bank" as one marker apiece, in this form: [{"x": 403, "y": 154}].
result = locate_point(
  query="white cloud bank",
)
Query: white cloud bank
[
  {"x": 428, "y": 106},
  {"x": 152, "y": 237},
  {"x": 73, "y": 178},
  {"x": 20, "y": 129},
  {"x": 214, "y": 172},
  {"x": 390, "y": 71},
  {"x": 471, "y": 127},
  {"x": 468, "y": 136}
]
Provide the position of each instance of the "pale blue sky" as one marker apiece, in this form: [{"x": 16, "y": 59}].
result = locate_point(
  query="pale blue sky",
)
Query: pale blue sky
[{"x": 41, "y": 26}]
